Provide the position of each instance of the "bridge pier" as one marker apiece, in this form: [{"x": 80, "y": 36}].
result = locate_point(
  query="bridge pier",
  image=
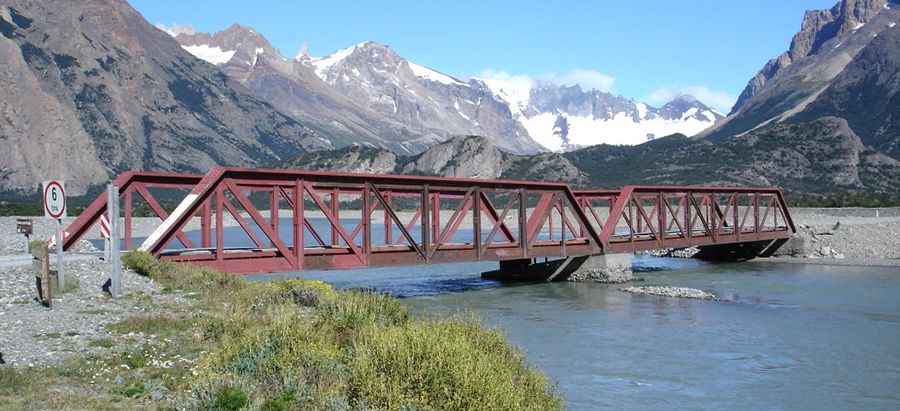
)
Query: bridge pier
[{"x": 603, "y": 268}]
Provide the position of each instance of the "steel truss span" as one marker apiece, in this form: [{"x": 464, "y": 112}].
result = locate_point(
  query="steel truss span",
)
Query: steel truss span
[{"x": 347, "y": 220}]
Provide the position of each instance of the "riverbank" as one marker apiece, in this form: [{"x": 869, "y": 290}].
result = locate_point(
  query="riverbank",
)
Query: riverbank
[
  {"x": 855, "y": 236},
  {"x": 191, "y": 338}
]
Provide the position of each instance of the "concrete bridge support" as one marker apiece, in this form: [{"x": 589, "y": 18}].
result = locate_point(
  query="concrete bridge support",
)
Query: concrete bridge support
[{"x": 604, "y": 268}]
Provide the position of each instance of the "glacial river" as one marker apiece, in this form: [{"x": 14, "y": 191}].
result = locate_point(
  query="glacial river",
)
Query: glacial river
[{"x": 784, "y": 336}]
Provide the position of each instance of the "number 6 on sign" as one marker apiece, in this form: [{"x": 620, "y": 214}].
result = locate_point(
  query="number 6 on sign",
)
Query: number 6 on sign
[{"x": 54, "y": 199}]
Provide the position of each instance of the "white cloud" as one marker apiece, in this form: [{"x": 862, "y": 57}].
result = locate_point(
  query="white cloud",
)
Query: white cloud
[
  {"x": 586, "y": 78},
  {"x": 175, "y": 29},
  {"x": 719, "y": 100}
]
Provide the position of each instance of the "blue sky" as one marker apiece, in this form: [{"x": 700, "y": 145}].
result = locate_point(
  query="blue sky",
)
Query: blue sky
[{"x": 648, "y": 50}]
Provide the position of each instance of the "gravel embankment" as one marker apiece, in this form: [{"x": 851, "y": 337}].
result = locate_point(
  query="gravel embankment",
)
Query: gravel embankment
[
  {"x": 33, "y": 335},
  {"x": 859, "y": 235}
]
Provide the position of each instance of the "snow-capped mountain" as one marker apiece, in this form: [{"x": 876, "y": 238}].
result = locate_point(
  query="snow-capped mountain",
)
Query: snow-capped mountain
[
  {"x": 365, "y": 94},
  {"x": 566, "y": 117},
  {"x": 368, "y": 94},
  {"x": 418, "y": 96}
]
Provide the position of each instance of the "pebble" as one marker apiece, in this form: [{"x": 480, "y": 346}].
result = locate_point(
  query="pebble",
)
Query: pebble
[{"x": 37, "y": 335}]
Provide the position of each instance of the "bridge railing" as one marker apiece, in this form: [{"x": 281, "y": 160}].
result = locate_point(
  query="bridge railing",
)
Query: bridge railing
[
  {"x": 661, "y": 217},
  {"x": 257, "y": 220},
  {"x": 372, "y": 220}
]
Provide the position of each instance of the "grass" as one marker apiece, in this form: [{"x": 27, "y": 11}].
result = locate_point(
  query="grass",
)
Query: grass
[
  {"x": 102, "y": 343},
  {"x": 159, "y": 325},
  {"x": 289, "y": 345}
]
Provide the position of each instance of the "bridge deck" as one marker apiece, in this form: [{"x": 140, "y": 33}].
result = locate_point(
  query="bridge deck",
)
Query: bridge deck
[{"x": 356, "y": 220}]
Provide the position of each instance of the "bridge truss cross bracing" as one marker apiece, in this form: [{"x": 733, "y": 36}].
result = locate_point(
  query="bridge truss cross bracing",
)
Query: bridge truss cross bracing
[{"x": 258, "y": 220}]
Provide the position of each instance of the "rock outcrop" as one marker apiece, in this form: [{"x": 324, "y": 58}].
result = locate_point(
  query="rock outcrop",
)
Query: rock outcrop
[{"x": 90, "y": 89}]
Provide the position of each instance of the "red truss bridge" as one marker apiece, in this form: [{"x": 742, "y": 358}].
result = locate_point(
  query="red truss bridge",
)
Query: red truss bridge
[{"x": 245, "y": 221}]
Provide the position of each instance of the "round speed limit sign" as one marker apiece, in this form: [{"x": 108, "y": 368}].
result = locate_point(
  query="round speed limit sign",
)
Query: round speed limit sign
[{"x": 54, "y": 199}]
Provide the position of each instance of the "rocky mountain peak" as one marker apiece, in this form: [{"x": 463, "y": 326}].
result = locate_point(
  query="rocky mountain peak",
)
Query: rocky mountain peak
[
  {"x": 818, "y": 27},
  {"x": 687, "y": 106},
  {"x": 94, "y": 84}
]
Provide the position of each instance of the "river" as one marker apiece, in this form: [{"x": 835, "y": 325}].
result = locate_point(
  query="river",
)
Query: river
[{"x": 782, "y": 337}]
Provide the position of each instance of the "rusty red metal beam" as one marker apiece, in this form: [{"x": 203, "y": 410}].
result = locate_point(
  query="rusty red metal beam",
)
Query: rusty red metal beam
[{"x": 639, "y": 218}]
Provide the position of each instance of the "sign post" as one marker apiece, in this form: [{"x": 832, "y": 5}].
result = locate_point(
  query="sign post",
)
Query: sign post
[
  {"x": 55, "y": 208},
  {"x": 115, "y": 257},
  {"x": 104, "y": 233},
  {"x": 26, "y": 228}
]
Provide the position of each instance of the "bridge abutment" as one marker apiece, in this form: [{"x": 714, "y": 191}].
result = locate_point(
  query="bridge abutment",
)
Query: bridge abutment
[{"x": 604, "y": 268}]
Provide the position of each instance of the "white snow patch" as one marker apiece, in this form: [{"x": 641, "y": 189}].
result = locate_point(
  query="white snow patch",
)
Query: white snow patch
[
  {"x": 689, "y": 113},
  {"x": 256, "y": 53},
  {"x": 514, "y": 90},
  {"x": 322, "y": 64},
  {"x": 858, "y": 26},
  {"x": 212, "y": 55},
  {"x": 891, "y": 24},
  {"x": 621, "y": 129},
  {"x": 429, "y": 74},
  {"x": 642, "y": 110}
]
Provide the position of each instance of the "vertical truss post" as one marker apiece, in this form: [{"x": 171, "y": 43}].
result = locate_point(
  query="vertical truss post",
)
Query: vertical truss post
[
  {"x": 388, "y": 229},
  {"x": 476, "y": 222},
  {"x": 274, "y": 209},
  {"x": 688, "y": 223},
  {"x": 523, "y": 222},
  {"x": 713, "y": 217},
  {"x": 661, "y": 220},
  {"x": 549, "y": 222},
  {"x": 297, "y": 199},
  {"x": 205, "y": 240},
  {"x": 435, "y": 218},
  {"x": 426, "y": 222},
  {"x": 366, "y": 226},
  {"x": 335, "y": 211},
  {"x": 562, "y": 226},
  {"x": 220, "y": 225},
  {"x": 735, "y": 213},
  {"x": 756, "y": 213},
  {"x": 127, "y": 212}
]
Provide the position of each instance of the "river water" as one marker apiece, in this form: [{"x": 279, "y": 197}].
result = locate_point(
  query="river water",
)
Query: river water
[{"x": 783, "y": 336}]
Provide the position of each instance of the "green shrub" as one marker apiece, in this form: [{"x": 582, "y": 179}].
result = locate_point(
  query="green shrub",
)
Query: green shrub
[
  {"x": 140, "y": 262},
  {"x": 300, "y": 344},
  {"x": 283, "y": 402},
  {"x": 179, "y": 276},
  {"x": 135, "y": 389},
  {"x": 231, "y": 399},
  {"x": 102, "y": 342},
  {"x": 13, "y": 380},
  {"x": 448, "y": 364}
]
